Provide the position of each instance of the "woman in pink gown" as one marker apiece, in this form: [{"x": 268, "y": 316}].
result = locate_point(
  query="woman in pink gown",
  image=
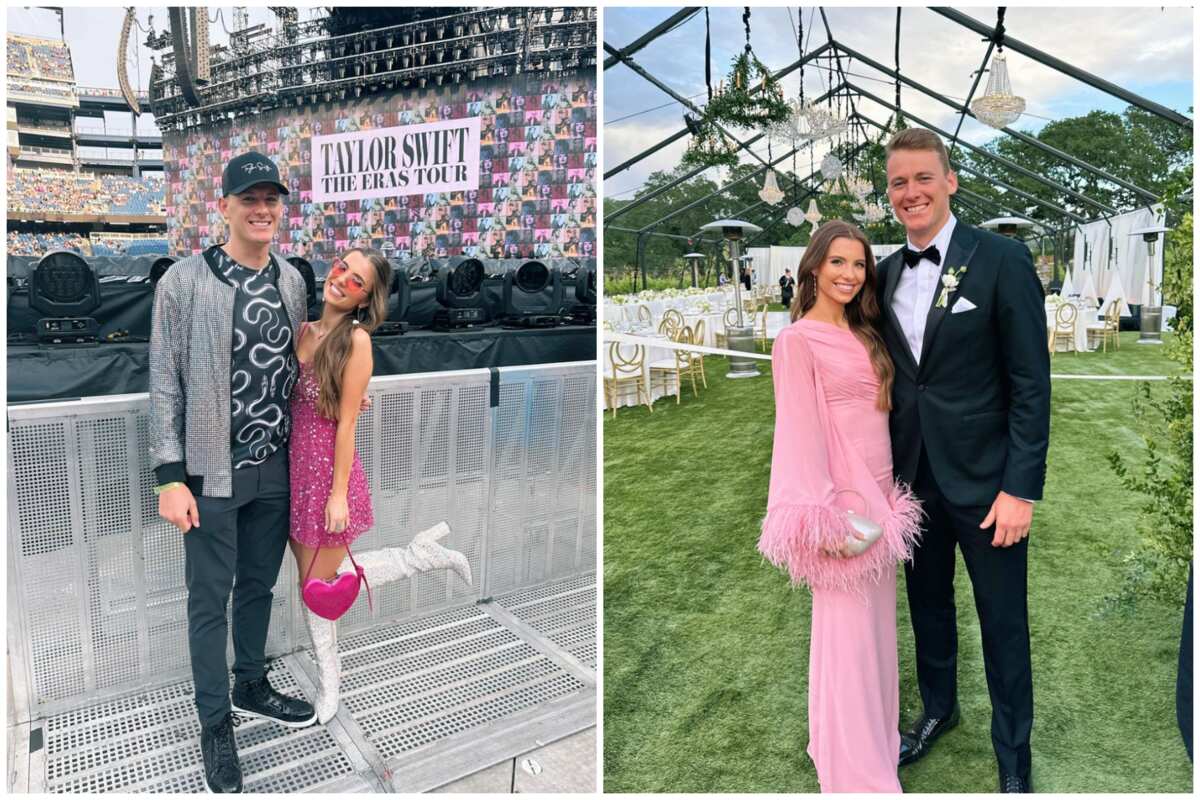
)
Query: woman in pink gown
[
  {"x": 330, "y": 498},
  {"x": 832, "y": 454}
]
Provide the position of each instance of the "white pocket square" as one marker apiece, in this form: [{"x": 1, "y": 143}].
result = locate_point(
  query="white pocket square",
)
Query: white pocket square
[{"x": 962, "y": 304}]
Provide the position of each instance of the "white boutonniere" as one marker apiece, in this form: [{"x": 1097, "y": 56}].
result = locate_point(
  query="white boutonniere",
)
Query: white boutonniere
[{"x": 950, "y": 285}]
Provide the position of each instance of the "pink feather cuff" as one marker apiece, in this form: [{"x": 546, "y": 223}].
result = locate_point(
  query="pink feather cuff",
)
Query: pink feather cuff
[{"x": 794, "y": 536}]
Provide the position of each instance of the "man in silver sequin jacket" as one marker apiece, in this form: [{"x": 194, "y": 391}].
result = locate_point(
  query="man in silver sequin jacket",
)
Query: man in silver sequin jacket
[{"x": 222, "y": 365}]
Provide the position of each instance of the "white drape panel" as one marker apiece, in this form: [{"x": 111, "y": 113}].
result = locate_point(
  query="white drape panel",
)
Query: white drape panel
[{"x": 1127, "y": 263}]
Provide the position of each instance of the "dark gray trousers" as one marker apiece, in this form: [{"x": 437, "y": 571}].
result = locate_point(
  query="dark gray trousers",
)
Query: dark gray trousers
[{"x": 237, "y": 548}]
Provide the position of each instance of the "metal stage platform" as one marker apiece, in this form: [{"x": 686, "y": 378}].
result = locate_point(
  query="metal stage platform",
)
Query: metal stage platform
[
  {"x": 440, "y": 680},
  {"x": 425, "y": 702}
]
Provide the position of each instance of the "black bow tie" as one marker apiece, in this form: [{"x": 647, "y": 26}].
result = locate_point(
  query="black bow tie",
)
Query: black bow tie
[{"x": 912, "y": 257}]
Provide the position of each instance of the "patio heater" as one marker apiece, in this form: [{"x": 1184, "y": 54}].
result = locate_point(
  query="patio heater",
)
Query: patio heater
[
  {"x": 1007, "y": 226},
  {"x": 740, "y": 337},
  {"x": 1151, "y": 327},
  {"x": 695, "y": 260}
]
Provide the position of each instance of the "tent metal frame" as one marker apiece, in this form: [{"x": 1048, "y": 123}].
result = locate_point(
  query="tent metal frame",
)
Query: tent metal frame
[{"x": 624, "y": 55}]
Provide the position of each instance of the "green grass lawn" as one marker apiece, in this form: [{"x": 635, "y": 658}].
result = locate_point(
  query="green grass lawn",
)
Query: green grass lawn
[
  {"x": 706, "y": 645},
  {"x": 1131, "y": 359}
]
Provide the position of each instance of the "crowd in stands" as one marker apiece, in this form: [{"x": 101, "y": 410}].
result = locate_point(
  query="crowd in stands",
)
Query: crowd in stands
[
  {"x": 104, "y": 91},
  {"x": 36, "y": 58},
  {"x": 43, "y": 124},
  {"x": 36, "y": 244},
  {"x": 128, "y": 245},
  {"x": 99, "y": 244},
  {"x": 45, "y": 89},
  {"x": 84, "y": 193}
]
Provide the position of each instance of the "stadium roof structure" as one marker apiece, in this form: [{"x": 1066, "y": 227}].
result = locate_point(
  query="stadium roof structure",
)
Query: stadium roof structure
[{"x": 1014, "y": 202}]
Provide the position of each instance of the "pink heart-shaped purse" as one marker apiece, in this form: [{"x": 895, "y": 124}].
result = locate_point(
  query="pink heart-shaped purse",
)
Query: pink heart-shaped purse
[{"x": 332, "y": 598}]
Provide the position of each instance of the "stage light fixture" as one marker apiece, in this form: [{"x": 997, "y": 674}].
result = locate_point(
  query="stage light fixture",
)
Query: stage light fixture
[
  {"x": 527, "y": 303},
  {"x": 64, "y": 287},
  {"x": 399, "y": 301},
  {"x": 160, "y": 267},
  {"x": 583, "y": 281},
  {"x": 460, "y": 292}
]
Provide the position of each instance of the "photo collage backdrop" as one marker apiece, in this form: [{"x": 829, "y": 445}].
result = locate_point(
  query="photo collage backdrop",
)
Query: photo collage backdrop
[{"x": 537, "y": 176}]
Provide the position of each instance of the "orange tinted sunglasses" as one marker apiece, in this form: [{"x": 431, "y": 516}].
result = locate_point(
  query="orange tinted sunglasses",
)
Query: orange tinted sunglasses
[{"x": 355, "y": 284}]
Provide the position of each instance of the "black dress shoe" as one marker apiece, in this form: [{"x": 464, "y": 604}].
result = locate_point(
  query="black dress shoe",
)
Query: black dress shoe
[
  {"x": 1015, "y": 784},
  {"x": 915, "y": 742},
  {"x": 259, "y": 699},
  {"x": 222, "y": 770}
]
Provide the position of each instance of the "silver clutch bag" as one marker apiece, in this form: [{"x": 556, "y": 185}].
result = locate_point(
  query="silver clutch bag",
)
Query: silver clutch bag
[{"x": 865, "y": 531}]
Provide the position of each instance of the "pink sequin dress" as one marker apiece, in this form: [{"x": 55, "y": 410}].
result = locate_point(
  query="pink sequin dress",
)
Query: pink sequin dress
[{"x": 310, "y": 464}]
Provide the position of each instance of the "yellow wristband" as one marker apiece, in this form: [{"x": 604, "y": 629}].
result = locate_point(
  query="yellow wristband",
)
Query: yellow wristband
[{"x": 166, "y": 487}]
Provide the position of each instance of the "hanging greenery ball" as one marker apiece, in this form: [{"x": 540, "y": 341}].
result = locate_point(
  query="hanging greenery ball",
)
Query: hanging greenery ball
[
  {"x": 736, "y": 105},
  {"x": 710, "y": 148}
]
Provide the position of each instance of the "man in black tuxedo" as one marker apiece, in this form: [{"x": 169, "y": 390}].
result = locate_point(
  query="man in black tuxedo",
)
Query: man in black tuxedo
[
  {"x": 787, "y": 288},
  {"x": 964, "y": 320}
]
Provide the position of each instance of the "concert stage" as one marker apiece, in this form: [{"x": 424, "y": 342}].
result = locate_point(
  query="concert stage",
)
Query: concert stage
[
  {"x": 37, "y": 372},
  {"x": 45, "y": 372}
]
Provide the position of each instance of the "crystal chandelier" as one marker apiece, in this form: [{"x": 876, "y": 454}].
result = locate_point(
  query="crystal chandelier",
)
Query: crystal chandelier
[
  {"x": 856, "y": 186},
  {"x": 807, "y": 123},
  {"x": 770, "y": 193},
  {"x": 824, "y": 123},
  {"x": 998, "y": 106},
  {"x": 871, "y": 213},
  {"x": 814, "y": 213},
  {"x": 795, "y": 216},
  {"x": 831, "y": 167}
]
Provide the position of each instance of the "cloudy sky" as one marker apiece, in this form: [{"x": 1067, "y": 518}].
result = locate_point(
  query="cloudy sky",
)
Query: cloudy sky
[{"x": 1144, "y": 50}]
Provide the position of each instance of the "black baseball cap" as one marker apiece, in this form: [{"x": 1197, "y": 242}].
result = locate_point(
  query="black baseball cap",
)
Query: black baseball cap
[{"x": 250, "y": 169}]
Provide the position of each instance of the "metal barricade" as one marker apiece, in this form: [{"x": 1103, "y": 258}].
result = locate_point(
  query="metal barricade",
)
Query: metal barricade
[{"x": 96, "y": 597}]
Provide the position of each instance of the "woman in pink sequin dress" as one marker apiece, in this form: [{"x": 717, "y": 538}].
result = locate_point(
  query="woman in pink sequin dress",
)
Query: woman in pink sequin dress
[
  {"x": 832, "y": 454},
  {"x": 330, "y": 498}
]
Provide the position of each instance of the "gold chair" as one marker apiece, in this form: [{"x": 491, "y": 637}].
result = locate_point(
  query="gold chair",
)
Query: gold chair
[
  {"x": 698, "y": 358},
  {"x": 626, "y": 371},
  {"x": 644, "y": 316},
  {"x": 678, "y": 365},
  {"x": 1111, "y": 326},
  {"x": 671, "y": 322},
  {"x": 722, "y": 336},
  {"x": 760, "y": 328},
  {"x": 1065, "y": 319}
]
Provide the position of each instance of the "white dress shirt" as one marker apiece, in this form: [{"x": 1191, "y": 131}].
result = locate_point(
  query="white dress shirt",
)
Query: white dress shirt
[{"x": 917, "y": 287}]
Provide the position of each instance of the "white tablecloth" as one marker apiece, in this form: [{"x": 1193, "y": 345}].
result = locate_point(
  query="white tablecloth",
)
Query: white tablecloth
[{"x": 622, "y": 315}]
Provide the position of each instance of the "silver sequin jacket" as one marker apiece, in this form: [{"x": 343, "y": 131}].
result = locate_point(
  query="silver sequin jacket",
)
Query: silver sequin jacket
[{"x": 191, "y": 339}]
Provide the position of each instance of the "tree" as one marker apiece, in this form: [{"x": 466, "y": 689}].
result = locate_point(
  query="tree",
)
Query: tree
[{"x": 1135, "y": 146}]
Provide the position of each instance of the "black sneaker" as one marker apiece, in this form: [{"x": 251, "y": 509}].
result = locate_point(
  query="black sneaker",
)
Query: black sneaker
[
  {"x": 259, "y": 699},
  {"x": 222, "y": 770}
]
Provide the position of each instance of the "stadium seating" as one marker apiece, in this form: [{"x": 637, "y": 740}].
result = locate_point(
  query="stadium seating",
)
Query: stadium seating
[
  {"x": 84, "y": 193},
  {"x": 35, "y": 58},
  {"x": 36, "y": 244}
]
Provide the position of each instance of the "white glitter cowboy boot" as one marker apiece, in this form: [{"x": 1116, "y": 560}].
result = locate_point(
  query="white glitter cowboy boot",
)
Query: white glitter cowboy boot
[
  {"x": 324, "y": 641},
  {"x": 423, "y": 554}
]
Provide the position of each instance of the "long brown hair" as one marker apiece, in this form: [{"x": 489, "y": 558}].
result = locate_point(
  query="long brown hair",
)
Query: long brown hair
[
  {"x": 862, "y": 312},
  {"x": 333, "y": 351}
]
